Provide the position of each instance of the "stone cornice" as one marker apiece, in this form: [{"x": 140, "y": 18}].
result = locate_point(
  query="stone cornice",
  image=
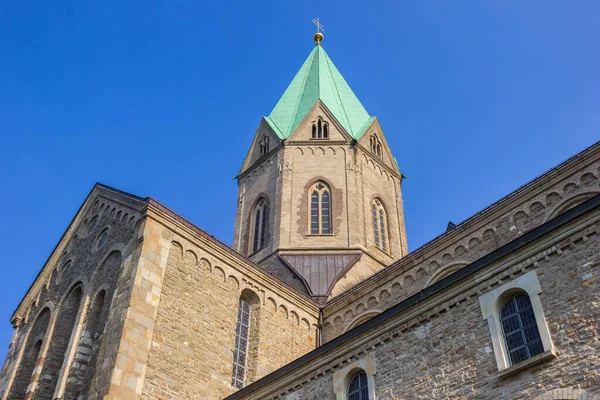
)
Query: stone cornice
[
  {"x": 227, "y": 255},
  {"x": 466, "y": 228},
  {"x": 504, "y": 263}
]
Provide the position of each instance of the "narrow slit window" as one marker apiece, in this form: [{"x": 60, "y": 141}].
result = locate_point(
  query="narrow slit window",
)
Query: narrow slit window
[
  {"x": 325, "y": 215},
  {"x": 375, "y": 226},
  {"x": 314, "y": 213},
  {"x": 382, "y": 230},
  {"x": 320, "y": 132}
]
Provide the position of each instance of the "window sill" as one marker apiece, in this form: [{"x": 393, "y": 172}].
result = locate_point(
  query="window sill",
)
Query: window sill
[
  {"x": 383, "y": 251},
  {"x": 319, "y": 234},
  {"x": 319, "y": 138},
  {"x": 542, "y": 357},
  {"x": 257, "y": 251}
]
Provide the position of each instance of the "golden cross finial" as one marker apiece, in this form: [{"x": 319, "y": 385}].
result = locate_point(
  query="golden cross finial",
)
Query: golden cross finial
[{"x": 318, "y": 36}]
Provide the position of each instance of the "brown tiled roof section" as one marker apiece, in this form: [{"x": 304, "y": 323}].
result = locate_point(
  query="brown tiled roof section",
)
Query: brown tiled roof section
[{"x": 320, "y": 271}]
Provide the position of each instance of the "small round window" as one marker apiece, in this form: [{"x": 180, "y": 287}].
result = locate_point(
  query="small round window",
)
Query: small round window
[
  {"x": 102, "y": 238},
  {"x": 93, "y": 224}
]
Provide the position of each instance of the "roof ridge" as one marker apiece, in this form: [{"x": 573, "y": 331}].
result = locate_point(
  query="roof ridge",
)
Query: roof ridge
[{"x": 337, "y": 95}]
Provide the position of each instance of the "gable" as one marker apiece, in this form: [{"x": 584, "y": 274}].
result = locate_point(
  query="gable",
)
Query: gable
[
  {"x": 264, "y": 136},
  {"x": 329, "y": 126},
  {"x": 101, "y": 200},
  {"x": 374, "y": 143}
]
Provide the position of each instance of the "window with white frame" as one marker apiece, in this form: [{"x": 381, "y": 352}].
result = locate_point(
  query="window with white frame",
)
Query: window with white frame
[
  {"x": 518, "y": 328},
  {"x": 356, "y": 380}
]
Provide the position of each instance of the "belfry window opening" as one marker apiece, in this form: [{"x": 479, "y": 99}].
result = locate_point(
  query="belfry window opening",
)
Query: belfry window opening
[
  {"x": 264, "y": 145},
  {"x": 320, "y": 209},
  {"x": 375, "y": 145},
  {"x": 320, "y": 129}
]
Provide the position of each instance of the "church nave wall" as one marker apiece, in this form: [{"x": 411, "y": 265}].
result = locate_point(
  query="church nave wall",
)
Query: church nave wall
[
  {"x": 193, "y": 339},
  {"x": 553, "y": 193},
  {"x": 441, "y": 346}
]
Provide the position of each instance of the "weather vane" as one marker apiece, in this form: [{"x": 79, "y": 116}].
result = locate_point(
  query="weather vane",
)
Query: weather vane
[{"x": 318, "y": 36}]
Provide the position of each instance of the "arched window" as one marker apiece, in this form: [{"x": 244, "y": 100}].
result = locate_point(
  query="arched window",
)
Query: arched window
[
  {"x": 59, "y": 344},
  {"x": 102, "y": 238},
  {"x": 358, "y": 387},
  {"x": 320, "y": 129},
  {"x": 259, "y": 225},
  {"x": 92, "y": 224},
  {"x": 519, "y": 328},
  {"x": 25, "y": 370},
  {"x": 240, "y": 354},
  {"x": 245, "y": 354},
  {"x": 379, "y": 225},
  {"x": 320, "y": 209},
  {"x": 375, "y": 145}
]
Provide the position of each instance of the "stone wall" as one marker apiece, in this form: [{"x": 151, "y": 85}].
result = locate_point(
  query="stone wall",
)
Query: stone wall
[
  {"x": 551, "y": 194},
  {"x": 103, "y": 229},
  {"x": 441, "y": 347},
  {"x": 193, "y": 338}
]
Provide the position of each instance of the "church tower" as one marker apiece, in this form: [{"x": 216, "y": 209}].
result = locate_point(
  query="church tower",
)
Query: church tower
[{"x": 320, "y": 193}]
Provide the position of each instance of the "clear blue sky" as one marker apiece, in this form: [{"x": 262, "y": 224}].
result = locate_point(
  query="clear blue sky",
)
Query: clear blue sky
[{"x": 162, "y": 98}]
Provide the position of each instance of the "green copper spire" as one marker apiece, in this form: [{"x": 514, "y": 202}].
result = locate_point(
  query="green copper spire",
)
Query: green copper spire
[{"x": 318, "y": 79}]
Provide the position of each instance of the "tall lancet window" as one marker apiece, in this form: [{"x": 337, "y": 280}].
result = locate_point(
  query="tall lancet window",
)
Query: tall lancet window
[
  {"x": 245, "y": 354},
  {"x": 259, "y": 225},
  {"x": 240, "y": 354},
  {"x": 320, "y": 209},
  {"x": 379, "y": 225}
]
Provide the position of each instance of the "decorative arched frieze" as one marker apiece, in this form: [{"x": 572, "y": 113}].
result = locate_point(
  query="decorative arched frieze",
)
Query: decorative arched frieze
[
  {"x": 361, "y": 319},
  {"x": 444, "y": 272},
  {"x": 570, "y": 203}
]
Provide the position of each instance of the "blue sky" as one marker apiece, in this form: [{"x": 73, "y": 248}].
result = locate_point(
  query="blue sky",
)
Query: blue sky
[{"x": 162, "y": 98}]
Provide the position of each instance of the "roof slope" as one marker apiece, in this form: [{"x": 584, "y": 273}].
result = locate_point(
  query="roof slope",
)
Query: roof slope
[{"x": 318, "y": 79}]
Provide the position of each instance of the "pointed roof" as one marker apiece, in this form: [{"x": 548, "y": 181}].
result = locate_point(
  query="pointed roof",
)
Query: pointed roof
[{"x": 318, "y": 79}]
